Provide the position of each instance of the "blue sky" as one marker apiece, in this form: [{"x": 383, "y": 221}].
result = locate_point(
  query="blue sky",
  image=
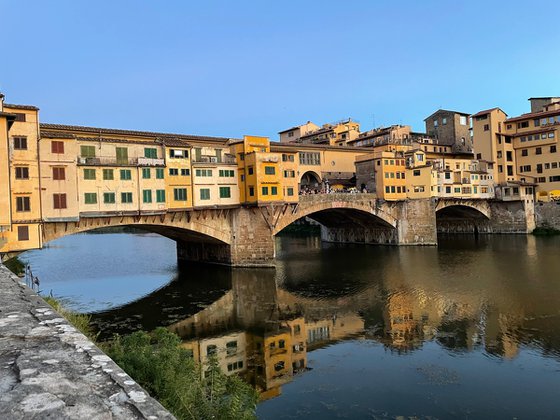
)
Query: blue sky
[{"x": 228, "y": 68}]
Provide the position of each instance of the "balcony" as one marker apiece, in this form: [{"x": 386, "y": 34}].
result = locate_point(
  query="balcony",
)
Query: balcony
[{"x": 144, "y": 161}]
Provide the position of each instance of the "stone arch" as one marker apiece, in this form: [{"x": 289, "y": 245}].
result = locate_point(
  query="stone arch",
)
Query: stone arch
[
  {"x": 463, "y": 217},
  {"x": 475, "y": 205},
  {"x": 178, "y": 226},
  {"x": 310, "y": 179},
  {"x": 310, "y": 205}
]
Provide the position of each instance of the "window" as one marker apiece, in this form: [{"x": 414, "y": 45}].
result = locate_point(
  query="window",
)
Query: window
[
  {"x": 20, "y": 116},
  {"x": 510, "y": 170},
  {"x": 20, "y": 143},
  {"x": 418, "y": 188},
  {"x": 537, "y": 122},
  {"x": 122, "y": 155},
  {"x": 109, "y": 198},
  {"x": 279, "y": 366},
  {"x": 523, "y": 124},
  {"x": 289, "y": 191},
  {"x": 435, "y": 123},
  {"x": 211, "y": 349},
  {"x": 447, "y": 175},
  {"x": 273, "y": 190},
  {"x": 509, "y": 156},
  {"x": 185, "y": 172},
  {"x": 90, "y": 198},
  {"x": 287, "y": 158},
  {"x": 146, "y": 173},
  {"x": 89, "y": 173},
  {"x": 203, "y": 172},
  {"x": 500, "y": 168},
  {"x": 555, "y": 178},
  {"x": 309, "y": 158},
  {"x": 551, "y": 135},
  {"x": 462, "y": 120},
  {"x": 179, "y": 154},
  {"x": 22, "y": 172},
  {"x": 225, "y": 173},
  {"x": 552, "y": 149},
  {"x": 57, "y": 147},
  {"x": 160, "y": 196},
  {"x": 251, "y": 191},
  {"x": 269, "y": 170},
  {"x": 205, "y": 194},
  {"x": 150, "y": 153},
  {"x": 126, "y": 197},
  {"x": 448, "y": 190},
  {"x": 539, "y": 168},
  {"x": 444, "y": 121},
  {"x": 23, "y": 204},
  {"x": 147, "y": 196},
  {"x": 250, "y": 170},
  {"x": 58, "y": 174},
  {"x": 173, "y": 171},
  {"x": 87, "y": 151},
  {"x": 23, "y": 233},
  {"x": 499, "y": 154},
  {"x": 387, "y": 190},
  {"x": 486, "y": 127},
  {"x": 225, "y": 192},
  {"x": 231, "y": 348},
  {"x": 126, "y": 174},
  {"x": 524, "y": 152},
  {"x": 538, "y": 151},
  {"x": 108, "y": 174},
  {"x": 416, "y": 172},
  {"x": 180, "y": 194},
  {"x": 264, "y": 190},
  {"x": 159, "y": 173}
]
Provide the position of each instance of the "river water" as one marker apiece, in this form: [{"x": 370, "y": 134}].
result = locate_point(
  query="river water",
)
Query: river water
[{"x": 468, "y": 329}]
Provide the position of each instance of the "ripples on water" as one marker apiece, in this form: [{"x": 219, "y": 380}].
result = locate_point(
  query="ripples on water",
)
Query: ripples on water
[{"x": 469, "y": 329}]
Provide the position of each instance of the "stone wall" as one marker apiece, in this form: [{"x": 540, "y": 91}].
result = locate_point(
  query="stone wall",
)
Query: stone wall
[
  {"x": 548, "y": 214},
  {"x": 417, "y": 222},
  {"x": 511, "y": 217},
  {"x": 50, "y": 370},
  {"x": 252, "y": 240}
]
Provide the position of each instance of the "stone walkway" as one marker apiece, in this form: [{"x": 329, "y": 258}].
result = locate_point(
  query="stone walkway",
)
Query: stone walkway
[{"x": 48, "y": 369}]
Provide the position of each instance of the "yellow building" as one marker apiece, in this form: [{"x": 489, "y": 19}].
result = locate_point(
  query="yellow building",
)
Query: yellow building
[
  {"x": 21, "y": 200},
  {"x": 336, "y": 134}
]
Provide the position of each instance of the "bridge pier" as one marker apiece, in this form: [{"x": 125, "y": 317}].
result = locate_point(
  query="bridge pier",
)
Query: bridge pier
[{"x": 251, "y": 243}]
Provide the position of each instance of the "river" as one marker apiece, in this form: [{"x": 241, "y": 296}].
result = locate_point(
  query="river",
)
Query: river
[{"x": 468, "y": 329}]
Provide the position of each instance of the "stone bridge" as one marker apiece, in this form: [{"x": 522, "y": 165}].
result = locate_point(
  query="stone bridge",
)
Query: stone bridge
[{"x": 244, "y": 236}]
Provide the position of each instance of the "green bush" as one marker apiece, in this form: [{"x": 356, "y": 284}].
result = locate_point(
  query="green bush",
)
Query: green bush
[
  {"x": 80, "y": 321},
  {"x": 167, "y": 371}
]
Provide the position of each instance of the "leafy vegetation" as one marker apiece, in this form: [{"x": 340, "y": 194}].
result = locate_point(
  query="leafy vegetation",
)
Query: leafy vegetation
[
  {"x": 80, "y": 321},
  {"x": 16, "y": 266},
  {"x": 167, "y": 371}
]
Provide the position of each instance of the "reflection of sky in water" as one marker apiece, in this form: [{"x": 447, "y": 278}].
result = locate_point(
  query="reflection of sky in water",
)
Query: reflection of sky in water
[
  {"x": 361, "y": 379},
  {"x": 94, "y": 272}
]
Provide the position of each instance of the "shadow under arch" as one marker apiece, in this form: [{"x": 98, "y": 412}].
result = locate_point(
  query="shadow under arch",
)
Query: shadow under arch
[{"x": 459, "y": 218}]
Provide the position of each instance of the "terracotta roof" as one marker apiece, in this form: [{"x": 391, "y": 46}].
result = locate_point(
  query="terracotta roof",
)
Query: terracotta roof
[
  {"x": 56, "y": 135},
  {"x": 487, "y": 111},
  {"x": 114, "y": 131},
  {"x": 300, "y": 146},
  {"x": 28, "y": 107},
  {"x": 535, "y": 115}
]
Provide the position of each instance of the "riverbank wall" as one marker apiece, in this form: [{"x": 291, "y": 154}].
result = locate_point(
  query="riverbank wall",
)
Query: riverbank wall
[
  {"x": 548, "y": 215},
  {"x": 48, "y": 369}
]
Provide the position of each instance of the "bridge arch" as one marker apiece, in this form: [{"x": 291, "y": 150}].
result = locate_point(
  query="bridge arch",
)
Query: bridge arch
[
  {"x": 463, "y": 216},
  {"x": 180, "y": 226}
]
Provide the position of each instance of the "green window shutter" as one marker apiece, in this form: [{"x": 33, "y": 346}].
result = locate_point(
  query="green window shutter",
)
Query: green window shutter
[
  {"x": 109, "y": 198},
  {"x": 108, "y": 174},
  {"x": 89, "y": 173},
  {"x": 225, "y": 192},
  {"x": 160, "y": 196},
  {"x": 126, "y": 197},
  {"x": 264, "y": 190},
  {"x": 122, "y": 155},
  {"x": 87, "y": 151},
  {"x": 147, "y": 196},
  {"x": 150, "y": 153},
  {"x": 90, "y": 198},
  {"x": 159, "y": 173},
  {"x": 126, "y": 174},
  {"x": 146, "y": 173},
  {"x": 205, "y": 194},
  {"x": 269, "y": 170},
  {"x": 274, "y": 190}
]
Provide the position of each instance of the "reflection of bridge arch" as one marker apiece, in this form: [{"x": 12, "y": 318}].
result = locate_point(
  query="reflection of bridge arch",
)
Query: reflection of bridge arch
[
  {"x": 463, "y": 216},
  {"x": 210, "y": 226},
  {"x": 339, "y": 209}
]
